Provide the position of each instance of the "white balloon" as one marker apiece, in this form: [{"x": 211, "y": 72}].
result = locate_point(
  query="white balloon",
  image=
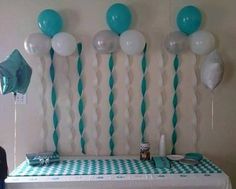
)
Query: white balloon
[
  {"x": 132, "y": 42},
  {"x": 202, "y": 42},
  {"x": 64, "y": 44},
  {"x": 212, "y": 70},
  {"x": 37, "y": 44}
]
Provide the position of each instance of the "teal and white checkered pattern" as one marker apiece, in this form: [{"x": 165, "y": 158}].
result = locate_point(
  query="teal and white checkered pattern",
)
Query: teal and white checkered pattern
[{"x": 112, "y": 166}]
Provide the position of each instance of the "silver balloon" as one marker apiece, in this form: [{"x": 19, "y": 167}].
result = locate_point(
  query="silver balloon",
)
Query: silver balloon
[
  {"x": 106, "y": 42},
  {"x": 212, "y": 70},
  {"x": 37, "y": 44},
  {"x": 176, "y": 42}
]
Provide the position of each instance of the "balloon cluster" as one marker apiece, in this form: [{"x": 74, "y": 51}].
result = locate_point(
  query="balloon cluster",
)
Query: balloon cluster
[
  {"x": 119, "y": 19},
  {"x": 50, "y": 23},
  {"x": 189, "y": 20}
]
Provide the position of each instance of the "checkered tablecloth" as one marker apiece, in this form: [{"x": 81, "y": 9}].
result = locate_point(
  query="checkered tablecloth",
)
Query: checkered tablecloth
[{"x": 110, "y": 167}]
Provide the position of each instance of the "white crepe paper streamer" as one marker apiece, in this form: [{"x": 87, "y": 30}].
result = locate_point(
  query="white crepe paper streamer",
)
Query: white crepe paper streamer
[
  {"x": 67, "y": 136},
  {"x": 195, "y": 104},
  {"x": 44, "y": 129},
  {"x": 128, "y": 99},
  {"x": 96, "y": 103},
  {"x": 72, "y": 113},
  {"x": 161, "y": 83}
]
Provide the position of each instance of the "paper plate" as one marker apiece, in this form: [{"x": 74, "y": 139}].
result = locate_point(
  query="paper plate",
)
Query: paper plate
[{"x": 175, "y": 157}]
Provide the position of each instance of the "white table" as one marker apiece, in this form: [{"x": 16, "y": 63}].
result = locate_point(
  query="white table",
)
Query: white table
[{"x": 121, "y": 181}]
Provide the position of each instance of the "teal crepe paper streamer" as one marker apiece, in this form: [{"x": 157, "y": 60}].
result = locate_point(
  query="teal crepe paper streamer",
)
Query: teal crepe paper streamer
[
  {"x": 111, "y": 102},
  {"x": 143, "y": 91},
  {"x": 54, "y": 100},
  {"x": 175, "y": 103},
  {"x": 81, "y": 101}
]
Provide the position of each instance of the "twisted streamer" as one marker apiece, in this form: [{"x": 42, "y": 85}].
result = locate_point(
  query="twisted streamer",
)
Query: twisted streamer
[
  {"x": 143, "y": 91},
  {"x": 71, "y": 111},
  {"x": 195, "y": 100},
  {"x": 111, "y": 103},
  {"x": 44, "y": 104},
  {"x": 161, "y": 87},
  {"x": 175, "y": 103},
  {"x": 128, "y": 102},
  {"x": 81, "y": 101},
  {"x": 96, "y": 102},
  {"x": 53, "y": 101}
]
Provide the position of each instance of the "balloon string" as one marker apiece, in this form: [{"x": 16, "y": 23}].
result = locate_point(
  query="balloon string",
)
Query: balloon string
[
  {"x": 212, "y": 111},
  {"x": 15, "y": 131}
]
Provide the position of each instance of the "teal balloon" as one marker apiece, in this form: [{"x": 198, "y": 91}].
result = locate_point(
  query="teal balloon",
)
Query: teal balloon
[
  {"x": 15, "y": 74},
  {"x": 118, "y": 18},
  {"x": 189, "y": 19},
  {"x": 50, "y": 22}
]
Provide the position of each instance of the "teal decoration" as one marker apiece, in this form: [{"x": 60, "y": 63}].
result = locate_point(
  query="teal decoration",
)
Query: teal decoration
[
  {"x": 111, "y": 103},
  {"x": 81, "y": 101},
  {"x": 175, "y": 103},
  {"x": 53, "y": 101},
  {"x": 50, "y": 22},
  {"x": 15, "y": 74},
  {"x": 189, "y": 19},
  {"x": 117, "y": 167},
  {"x": 143, "y": 107},
  {"x": 118, "y": 18}
]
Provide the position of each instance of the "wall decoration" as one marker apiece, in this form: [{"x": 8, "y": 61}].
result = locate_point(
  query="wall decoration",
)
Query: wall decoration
[
  {"x": 118, "y": 18},
  {"x": 143, "y": 107},
  {"x": 96, "y": 103},
  {"x": 15, "y": 76},
  {"x": 211, "y": 75},
  {"x": 39, "y": 45},
  {"x": 106, "y": 42},
  {"x": 202, "y": 42},
  {"x": 189, "y": 19},
  {"x": 195, "y": 104},
  {"x": 175, "y": 43},
  {"x": 50, "y": 22},
  {"x": 64, "y": 44},
  {"x": 128, "y": 100},
  {"x": 132, "y": 42},
  {"x": 111, "y": 103},
  {"x": 81, "y": 101},
  {"x": 54, "y": 101}
]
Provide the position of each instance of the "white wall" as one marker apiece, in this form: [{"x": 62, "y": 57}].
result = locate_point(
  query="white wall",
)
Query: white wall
[{"x": 155, "y": 18}]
